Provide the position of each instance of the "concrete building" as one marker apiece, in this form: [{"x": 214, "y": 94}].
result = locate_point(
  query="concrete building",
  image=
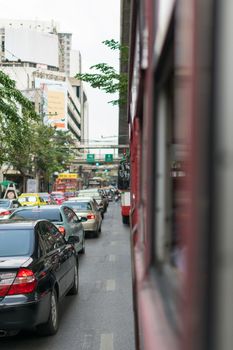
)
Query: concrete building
[{"x": 40, "y": 59}]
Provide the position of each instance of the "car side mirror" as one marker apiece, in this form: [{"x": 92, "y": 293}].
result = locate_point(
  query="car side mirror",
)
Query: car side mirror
[{"x": 73, "y": 239}]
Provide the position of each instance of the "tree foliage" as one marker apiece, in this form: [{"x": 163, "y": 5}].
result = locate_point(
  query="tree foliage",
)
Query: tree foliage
[
  {"x": 25, "y": 142},
  {"x": 106, "y": 78},
  {"x": 14, "y": 107}
]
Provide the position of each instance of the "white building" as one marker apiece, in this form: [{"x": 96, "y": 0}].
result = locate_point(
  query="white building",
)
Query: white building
[{"x": 41, "y": 60}]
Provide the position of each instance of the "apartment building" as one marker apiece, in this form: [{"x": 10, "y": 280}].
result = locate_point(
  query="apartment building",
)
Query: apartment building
[{"x": 40, "y": 59}]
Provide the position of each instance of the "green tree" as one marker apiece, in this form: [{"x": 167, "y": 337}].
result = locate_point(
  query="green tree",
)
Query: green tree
[
  {"x": 106, "y": 78},
  {"x": 14, "y": 106},
  {"x": 52, "y": 150},
  {"x": 16, "y": 116}
]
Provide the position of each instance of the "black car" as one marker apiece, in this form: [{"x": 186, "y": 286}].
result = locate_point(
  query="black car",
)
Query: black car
[
  {"x": 38, "y": 267},
  {"x": 62, "y": 216}
]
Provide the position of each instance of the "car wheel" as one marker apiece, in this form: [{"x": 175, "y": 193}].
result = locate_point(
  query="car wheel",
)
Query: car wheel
[
  {"x": 75, "y": 286},
  {"x": 51, "y": 326},
  {"x": 82, "y": 251},
  {"x": 100, "y": 228}
]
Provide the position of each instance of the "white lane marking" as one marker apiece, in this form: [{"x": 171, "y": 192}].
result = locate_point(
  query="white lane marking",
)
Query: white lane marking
[
  {"x": 106, "y": 341},
  {"x": 112, "y": 258},
  {"x": 110, "y": 285},
  {"x": 88, "y": 342}
]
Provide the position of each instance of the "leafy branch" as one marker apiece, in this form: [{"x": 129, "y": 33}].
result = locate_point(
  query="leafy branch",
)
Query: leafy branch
[{"x": 106, "y": 78}]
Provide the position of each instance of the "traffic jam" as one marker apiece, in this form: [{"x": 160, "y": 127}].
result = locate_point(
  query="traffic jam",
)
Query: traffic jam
[{"x": 41, "y": 238}]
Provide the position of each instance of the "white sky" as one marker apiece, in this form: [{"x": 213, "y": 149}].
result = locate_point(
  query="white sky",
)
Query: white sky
[{"x": 90, "y": 22}]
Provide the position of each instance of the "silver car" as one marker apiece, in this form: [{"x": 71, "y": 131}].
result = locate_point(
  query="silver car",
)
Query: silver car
[
  {"x": 87, "y": 208},
  {"x": 7, "y": 207}
]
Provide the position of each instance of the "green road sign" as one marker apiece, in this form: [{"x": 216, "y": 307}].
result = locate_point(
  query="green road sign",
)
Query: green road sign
[
  {"x": 90, "y": 158},
  {"x": 108, "y": 157}
]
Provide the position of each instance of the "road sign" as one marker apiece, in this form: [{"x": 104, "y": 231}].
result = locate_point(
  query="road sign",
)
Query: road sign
[
  {"x": 108, "y": 157},
  {"x": 90, "y": 157}
]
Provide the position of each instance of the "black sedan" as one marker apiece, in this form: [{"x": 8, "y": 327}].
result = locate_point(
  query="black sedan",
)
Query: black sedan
[
  {"x": 38, "y": 267},
  {"x": 62, "y": 216}
]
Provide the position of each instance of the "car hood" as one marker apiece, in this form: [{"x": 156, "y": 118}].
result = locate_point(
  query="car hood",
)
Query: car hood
[{"x": 15, "y": 262}]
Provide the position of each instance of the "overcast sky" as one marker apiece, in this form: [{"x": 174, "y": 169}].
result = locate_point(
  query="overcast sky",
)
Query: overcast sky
[{"x": 90, "y": 22}]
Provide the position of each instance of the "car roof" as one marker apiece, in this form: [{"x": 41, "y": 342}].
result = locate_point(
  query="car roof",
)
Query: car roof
[
  {"x": 19, "y": 224},
  {"x": 89, "y": 190},
  {"x": 82, "y": 199},
  {"x": 29, "y": 194},
  {"x": 35, "y": 207}
]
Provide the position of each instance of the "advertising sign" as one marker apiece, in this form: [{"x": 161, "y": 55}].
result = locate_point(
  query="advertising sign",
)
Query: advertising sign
[
  {"x": 31, "y": 46},
  {"x": 54, "y": 102},
  {"x": 31, "y": 185}
]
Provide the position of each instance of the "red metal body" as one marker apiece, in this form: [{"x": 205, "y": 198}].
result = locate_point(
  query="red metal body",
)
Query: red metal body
[{"x": 175, "y": 131}]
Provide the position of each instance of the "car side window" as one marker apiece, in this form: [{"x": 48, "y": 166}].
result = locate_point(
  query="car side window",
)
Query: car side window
[
  {"x": 47, "y": 238},
  {"x": 70, "y": 215},
  {"x": 59, "y": 238}
]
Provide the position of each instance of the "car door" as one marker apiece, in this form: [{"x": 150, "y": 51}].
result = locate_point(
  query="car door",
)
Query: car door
[
  {"x": 97, "y": 212},
  {"x": 75, "y": 227},
  {"x": 56, "y": 263},
  {"x": 66, "y": 255}
]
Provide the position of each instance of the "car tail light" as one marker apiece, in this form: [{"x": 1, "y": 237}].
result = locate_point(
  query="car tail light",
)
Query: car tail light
[
  {"x": 7, "y": 212},
  {"x": 62, "y": 229},
  {"x": 90, "y": 216},
  {"x": 6, "y": 280},
  {"x": 23, "y": 283}
]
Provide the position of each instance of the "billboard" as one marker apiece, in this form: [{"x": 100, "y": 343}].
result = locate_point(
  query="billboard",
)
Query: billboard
[
  {"x": 53, "y": 102},
  {"x": 31, "y": 46}
]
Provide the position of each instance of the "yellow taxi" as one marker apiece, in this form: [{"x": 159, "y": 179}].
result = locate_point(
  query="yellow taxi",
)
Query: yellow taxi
[{"x": 31, "y": 199}]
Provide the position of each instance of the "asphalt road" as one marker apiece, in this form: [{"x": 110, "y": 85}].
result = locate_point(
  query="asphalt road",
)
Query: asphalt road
[{"x": 101, "y": 316}]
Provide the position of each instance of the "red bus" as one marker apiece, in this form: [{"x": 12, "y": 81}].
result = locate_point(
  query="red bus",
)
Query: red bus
[
  {"x": 181, "y": 127},
  {"x": 68, "y": 183}
]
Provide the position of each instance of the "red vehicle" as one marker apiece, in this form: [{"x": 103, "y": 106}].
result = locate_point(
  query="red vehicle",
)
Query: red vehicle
[
  {"x": 58, "y": 197},
  {"x": 181, "y": 127},
  {"x": 125, "y": 206}
]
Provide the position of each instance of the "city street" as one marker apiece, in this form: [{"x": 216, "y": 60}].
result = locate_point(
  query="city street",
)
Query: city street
[{"x": 100, "y": 317}]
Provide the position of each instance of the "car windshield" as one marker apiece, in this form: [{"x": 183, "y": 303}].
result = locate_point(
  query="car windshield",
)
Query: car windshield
[
  {"x": 53, "y": 215},
  {"x": 45, "y": 196},
  {"x": 16, "y": 242},
  {"x": 4, "y": 203},
  {"x": 32, "y": 199},
  {"x": 79, "y": 205}
]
